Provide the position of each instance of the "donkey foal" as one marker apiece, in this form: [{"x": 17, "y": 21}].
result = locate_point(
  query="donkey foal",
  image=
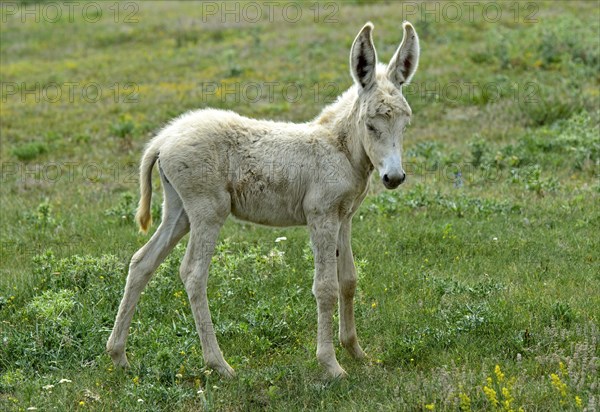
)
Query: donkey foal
[{"x": 213, "y": 163}]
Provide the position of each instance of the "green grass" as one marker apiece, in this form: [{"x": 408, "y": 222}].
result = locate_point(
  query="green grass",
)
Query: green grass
[{"x": 479, "y": 278}]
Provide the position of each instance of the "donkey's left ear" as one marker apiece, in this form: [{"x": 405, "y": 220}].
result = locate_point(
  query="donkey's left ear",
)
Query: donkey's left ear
[{"x": 404, "y": 64}]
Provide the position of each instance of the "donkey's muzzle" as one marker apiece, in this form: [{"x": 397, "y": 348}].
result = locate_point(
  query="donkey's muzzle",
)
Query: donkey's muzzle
[{"x": 392, "y": 181}]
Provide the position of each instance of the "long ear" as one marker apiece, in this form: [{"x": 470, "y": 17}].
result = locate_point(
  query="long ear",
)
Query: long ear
[
  {"x": 363, "y": 58},
  {"x": 404, "y": 64}
]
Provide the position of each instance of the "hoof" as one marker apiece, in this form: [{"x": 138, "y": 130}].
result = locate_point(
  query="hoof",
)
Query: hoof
[
  {"x": 354, "y": 349},
  {"x": 223, "y": 369},
  {"x": 332, "y": 366},
  {"x": 337, "y": 373},
  {"x": 357, "y": 352},
  {"x": 119, "y": 359}
]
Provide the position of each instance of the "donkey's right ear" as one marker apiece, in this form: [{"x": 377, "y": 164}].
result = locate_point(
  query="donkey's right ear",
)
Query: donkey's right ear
[{"x": 363, "y": 58}]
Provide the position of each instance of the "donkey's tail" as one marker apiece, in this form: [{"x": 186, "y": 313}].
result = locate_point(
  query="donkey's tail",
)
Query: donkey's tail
[{"x": 143, "y": 217}]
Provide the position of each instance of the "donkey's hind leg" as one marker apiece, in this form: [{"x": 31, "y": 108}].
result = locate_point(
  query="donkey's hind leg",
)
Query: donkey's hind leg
[
  {"x": 173, "y": 227},
  {"x": 206, "y": 218}
]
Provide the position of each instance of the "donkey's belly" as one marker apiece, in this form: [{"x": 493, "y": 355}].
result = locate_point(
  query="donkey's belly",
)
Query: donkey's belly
[
  {"x": 267, "y": 208},
  {"x": 267, "y": 186}
]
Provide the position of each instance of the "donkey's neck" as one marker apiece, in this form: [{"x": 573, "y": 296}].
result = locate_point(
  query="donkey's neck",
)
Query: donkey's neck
[{"x": 342, "y": 118}]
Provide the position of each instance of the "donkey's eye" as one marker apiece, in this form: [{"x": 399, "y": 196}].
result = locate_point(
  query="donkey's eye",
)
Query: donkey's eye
[{"x": 371, "y": 128}]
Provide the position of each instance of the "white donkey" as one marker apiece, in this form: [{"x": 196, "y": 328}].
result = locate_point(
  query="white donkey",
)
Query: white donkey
[{"x": 213, "y": 163}]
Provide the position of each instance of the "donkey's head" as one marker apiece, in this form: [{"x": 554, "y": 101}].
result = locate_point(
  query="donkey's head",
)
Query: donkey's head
[{"x": 383, "y": 111}]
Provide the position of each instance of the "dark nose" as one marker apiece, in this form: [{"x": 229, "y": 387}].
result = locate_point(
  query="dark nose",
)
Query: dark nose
[{"x": 392, "y": 181}]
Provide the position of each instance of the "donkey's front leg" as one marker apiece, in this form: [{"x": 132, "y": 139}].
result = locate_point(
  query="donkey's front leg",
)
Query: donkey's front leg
[
  {"x": 324, "y": 231},
  {"x": 347, "y": 279}
]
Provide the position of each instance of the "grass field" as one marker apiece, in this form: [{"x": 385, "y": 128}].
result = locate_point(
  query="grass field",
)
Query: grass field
[{"x": 479, "y": 278}]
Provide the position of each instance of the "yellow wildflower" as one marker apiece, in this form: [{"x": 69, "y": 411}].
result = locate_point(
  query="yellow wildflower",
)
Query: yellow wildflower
[
  {"x": 465, "y": 402},
  {"x": 507, "y": 399},
  {"x": 560, "y": 386},
  {"x": 499, "y": 374},
  {"x": 563, "y": 369},
  {"x": 491, "y": 395}
]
